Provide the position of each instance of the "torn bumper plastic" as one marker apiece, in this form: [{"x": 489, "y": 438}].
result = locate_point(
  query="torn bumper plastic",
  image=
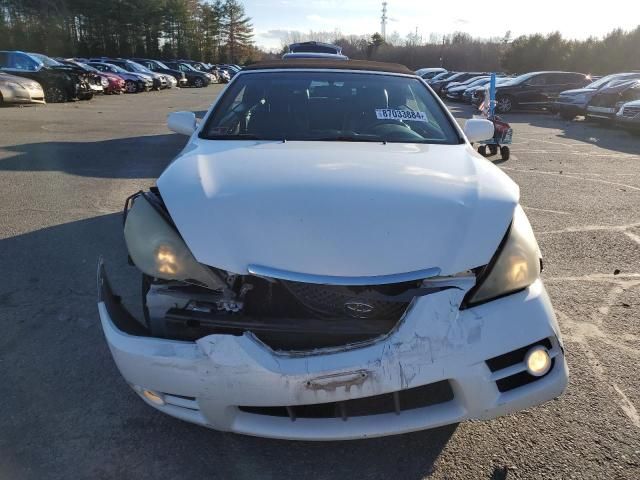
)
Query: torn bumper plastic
[{"x": 206, "y": 381}]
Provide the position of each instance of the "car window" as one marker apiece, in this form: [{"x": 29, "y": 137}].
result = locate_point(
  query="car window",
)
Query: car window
[
  {"x": 537, "y": 80},
  {"x": 569, "y": 78},
  {"x": 20, "y": 61},
  {"x": 321, "y": 105}
]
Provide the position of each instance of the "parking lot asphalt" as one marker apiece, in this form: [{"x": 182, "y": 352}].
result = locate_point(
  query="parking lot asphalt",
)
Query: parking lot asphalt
[{"x": 65, "y": 412}]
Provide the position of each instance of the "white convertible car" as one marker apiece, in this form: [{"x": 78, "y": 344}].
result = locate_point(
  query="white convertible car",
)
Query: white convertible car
[{"x": 328, "y": 258}]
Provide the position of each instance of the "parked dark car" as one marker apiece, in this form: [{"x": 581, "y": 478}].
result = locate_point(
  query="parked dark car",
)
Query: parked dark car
[
  {"x": 607, "y": 102},
  {"x": 439, "y": 85},
  {"x": 455, "y": 91},
  {"x": 536, "y": 89},
  {"x": 133, "y": 82},
  {"x": 97, "y": 81},
  {"x": 158, "y": 67},
  {"x": 572, "y": 103},
  {"x": 159, "y": 80},
  {"x": 60, "y": 85},
  {"x": 195, "y": 78},
  {"x": 207, "y": 69}
]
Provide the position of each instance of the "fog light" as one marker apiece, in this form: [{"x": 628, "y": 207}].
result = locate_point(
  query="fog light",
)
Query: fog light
[
  {"x": 538, "y": 361},
  {"x": 153, "y": 397}
]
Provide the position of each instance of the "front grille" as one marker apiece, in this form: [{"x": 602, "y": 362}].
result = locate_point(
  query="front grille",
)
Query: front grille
[
  {"x": 631, "y": 112},
  {"x": 395, "y": 402},
  {"x": 295, "y": 316}
]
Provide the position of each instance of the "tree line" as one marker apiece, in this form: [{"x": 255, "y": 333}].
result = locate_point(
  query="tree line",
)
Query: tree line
[
  {"x": 617, "y": 51},
  {"x": 214, "y": 31}
]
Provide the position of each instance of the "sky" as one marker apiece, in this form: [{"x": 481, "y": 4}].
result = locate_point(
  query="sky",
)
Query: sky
[{"x": 574, "y": 19}]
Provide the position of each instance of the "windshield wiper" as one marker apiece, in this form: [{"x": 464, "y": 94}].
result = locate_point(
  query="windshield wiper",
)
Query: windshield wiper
[
  {"x": 234, "y": 136},
  {"x": 347, "y": 138}
]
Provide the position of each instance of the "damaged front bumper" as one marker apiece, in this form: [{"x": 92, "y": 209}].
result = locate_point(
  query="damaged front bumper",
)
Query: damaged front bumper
[{"x": 440, "y": 365}]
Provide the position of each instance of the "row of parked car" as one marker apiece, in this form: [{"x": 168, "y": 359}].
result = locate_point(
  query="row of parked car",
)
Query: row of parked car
[
  {"x": 612, "y": 98},
  {"x": 36, "y": 78}
]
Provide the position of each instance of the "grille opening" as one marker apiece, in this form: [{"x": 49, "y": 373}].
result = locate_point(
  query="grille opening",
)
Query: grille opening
[
  {"x": 294, "y": 315},
  {"x": 395, "y": 402},
  {"x": 516, "y": 356},
  {"x": 520, "y": 379}
]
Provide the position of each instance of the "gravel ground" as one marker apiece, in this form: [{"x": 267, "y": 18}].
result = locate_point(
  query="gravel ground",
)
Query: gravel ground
[{"x": 65, "y": 171}]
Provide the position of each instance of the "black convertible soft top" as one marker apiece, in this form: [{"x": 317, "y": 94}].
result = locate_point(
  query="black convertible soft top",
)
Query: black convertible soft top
[{"x": 331, "y": 64}]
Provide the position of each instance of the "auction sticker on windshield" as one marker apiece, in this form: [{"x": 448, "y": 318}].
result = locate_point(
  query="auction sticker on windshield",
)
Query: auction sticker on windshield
[{"x": 389, "y": 113}]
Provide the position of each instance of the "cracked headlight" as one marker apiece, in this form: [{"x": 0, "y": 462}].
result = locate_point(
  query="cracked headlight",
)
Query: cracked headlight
[
  {"x": 156, "y": 247},
  {"x": 515, "y": 266}
]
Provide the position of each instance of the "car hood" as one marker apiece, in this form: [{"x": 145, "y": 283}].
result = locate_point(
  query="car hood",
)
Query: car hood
[
  {"x": 338, "y": 208},
  {"x": 6, "y": 77}
]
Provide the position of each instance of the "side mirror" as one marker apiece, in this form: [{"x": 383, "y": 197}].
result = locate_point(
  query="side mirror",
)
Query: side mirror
[
  {"x": 478, "y": 130},
  {"x": 182, "y": 122}
]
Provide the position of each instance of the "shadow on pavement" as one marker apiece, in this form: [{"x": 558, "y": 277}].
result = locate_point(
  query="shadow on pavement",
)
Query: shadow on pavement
[
  {"x": 603, "y": 135},
  {"x": 133, "y": 157},
  {"x": 73, "y": 416}
]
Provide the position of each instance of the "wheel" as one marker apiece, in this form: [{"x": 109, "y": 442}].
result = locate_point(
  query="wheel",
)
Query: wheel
[
  {"x": 198, "y": 83},
  {"x": 130, "y": 86},
  {"x": 85, "y": 96},
  {"x": 504, "y": 104},
  {"x": 567, "y": 116},
  {"x": 55, "y": 94},
  {"x": 482, "y": 150},
  {"x": 493, "y": 149},
  {"x": 505, "y": 153}
]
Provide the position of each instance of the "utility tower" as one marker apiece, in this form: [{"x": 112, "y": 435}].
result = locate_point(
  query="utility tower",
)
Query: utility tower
[{"x": 383, "y": 21}]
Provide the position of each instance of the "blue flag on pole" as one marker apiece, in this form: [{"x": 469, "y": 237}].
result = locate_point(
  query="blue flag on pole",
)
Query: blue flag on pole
[{"x": 492, "y": 94}]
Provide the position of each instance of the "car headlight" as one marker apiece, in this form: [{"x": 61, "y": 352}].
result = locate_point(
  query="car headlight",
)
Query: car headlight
[
  {"x": 157, "y": 249},
  {"x": 515, "y": 266}
]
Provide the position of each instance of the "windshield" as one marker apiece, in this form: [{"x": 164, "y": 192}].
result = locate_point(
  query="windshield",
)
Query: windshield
[
  {"x": 188, "y": 67},
  {"x": 519, "y": 79},
  {"x": 452, "y": 77},
  {"x": 114, "y": 67},
  {"x": 601, "y": 81},
  {"x": 329, "y": 106},
  {"x": 478, "y": 82},
  {"x": 49, "y": 62},
  {"x": 440, "y": 76},
  {"x": 161, "y": 65},
  {"x": 136, "y": 67},
  {"x": 88, "y": 67}
]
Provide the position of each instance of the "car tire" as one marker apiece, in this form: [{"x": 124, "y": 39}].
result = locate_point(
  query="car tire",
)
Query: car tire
[
  {"x": 493, "y": 149},
  {"x": 567, "y": 116},
  {"x": 505, "y": 153},
  {"x": 130, "y": 86},
  {"x": 85, "y": 96},
  {"x": 198, "y": 83},
  {"x": 55, "y": 94},
  {"x": 504, "y": 103},
  {"x": 482, "y": 150}
]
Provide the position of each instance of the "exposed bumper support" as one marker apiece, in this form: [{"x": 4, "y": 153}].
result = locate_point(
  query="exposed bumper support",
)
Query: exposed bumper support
[{"x": 205, "y": 381}]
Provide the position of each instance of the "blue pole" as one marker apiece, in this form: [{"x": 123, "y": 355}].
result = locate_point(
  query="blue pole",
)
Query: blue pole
[{"x": 492, "y": 94}]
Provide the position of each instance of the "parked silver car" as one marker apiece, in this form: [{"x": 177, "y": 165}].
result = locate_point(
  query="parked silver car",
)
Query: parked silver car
[{"x": 14, "y": 89}]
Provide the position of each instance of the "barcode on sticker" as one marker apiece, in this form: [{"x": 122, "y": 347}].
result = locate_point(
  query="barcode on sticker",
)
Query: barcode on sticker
[{"x": 391, "y": 114}]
